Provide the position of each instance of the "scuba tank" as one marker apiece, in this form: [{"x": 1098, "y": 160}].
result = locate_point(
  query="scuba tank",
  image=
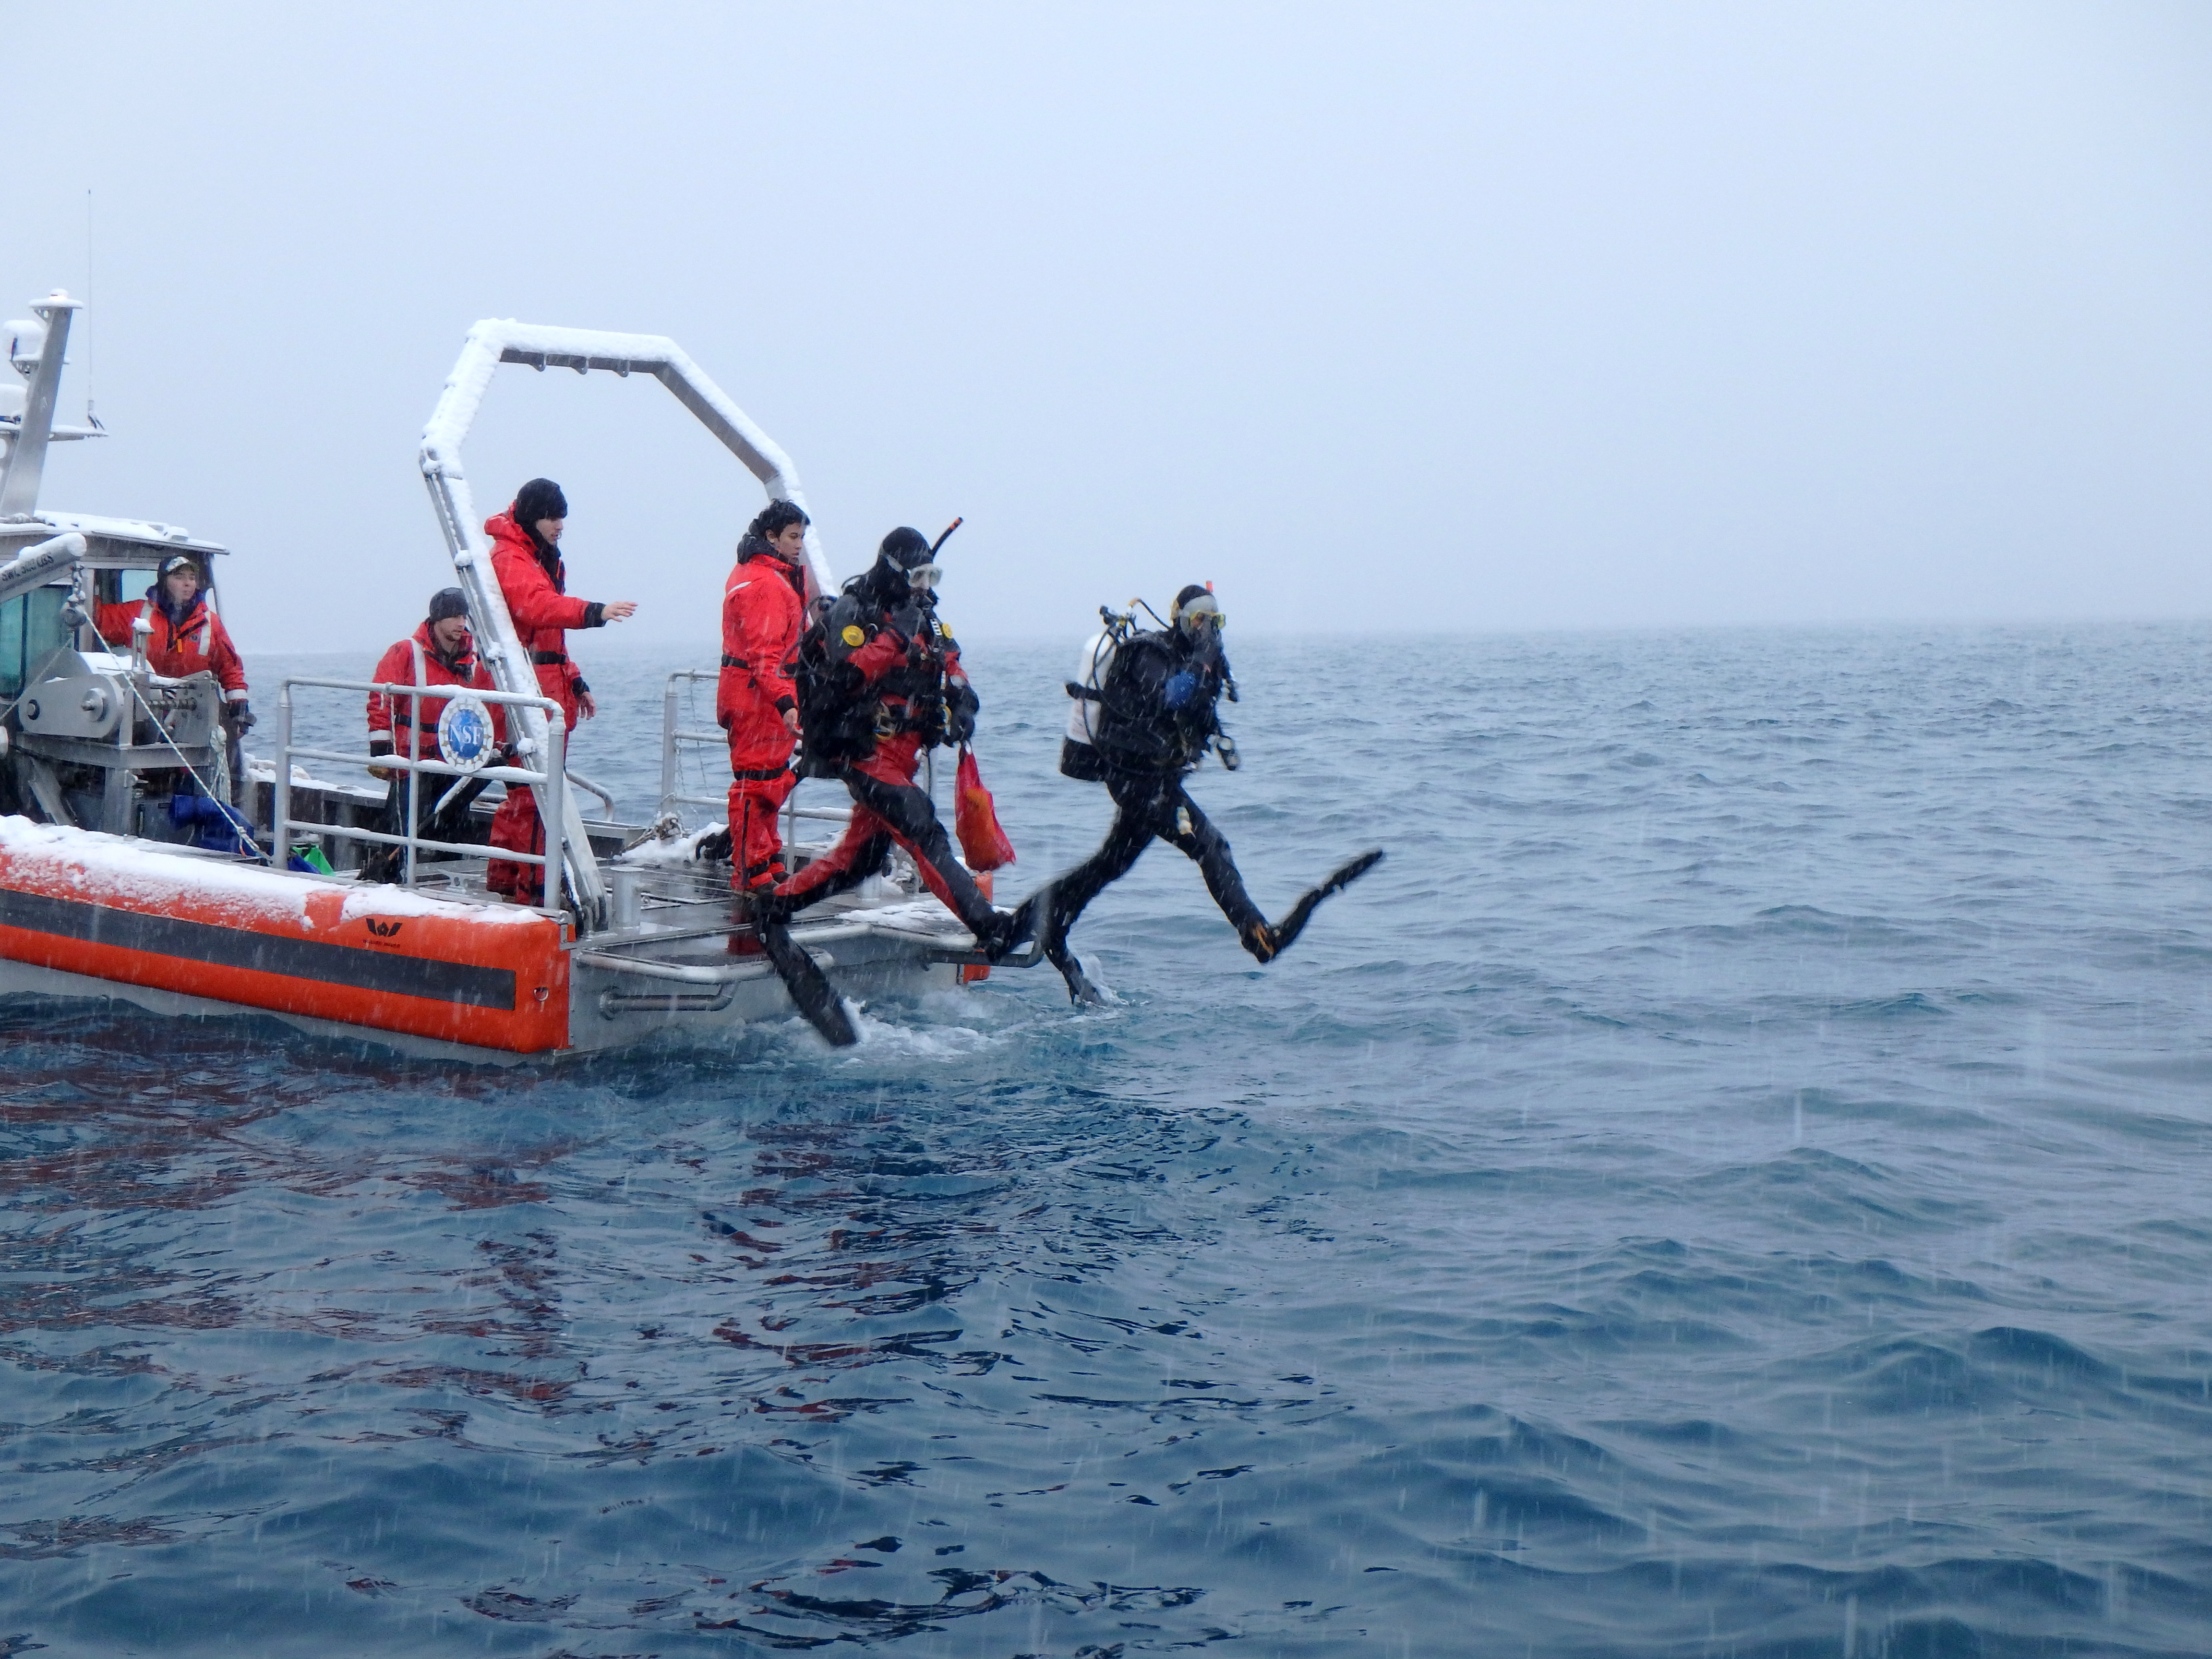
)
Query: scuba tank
[
  {"x": 1144, "y": 704},
  {"x": 1079, "y": 750}
]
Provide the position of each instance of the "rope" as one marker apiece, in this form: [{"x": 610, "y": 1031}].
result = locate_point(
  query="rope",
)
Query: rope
[{"x": 239, "y": 827}]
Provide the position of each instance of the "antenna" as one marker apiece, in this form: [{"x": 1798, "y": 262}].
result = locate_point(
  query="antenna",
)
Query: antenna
[{"x": 90, "y": 419}]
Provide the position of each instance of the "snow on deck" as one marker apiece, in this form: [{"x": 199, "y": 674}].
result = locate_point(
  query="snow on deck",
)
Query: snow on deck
[
  {"x": 657, "y": 854},
  {"x": 923, "y": 917},
  {"x": 151, "y": 875},
  {"x": 391, "y": 901}
]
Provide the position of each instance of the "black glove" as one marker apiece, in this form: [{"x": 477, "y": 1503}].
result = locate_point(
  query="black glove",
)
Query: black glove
[
  {"x": 960, "y": 707},
  {"x": 241, "y": 717}
]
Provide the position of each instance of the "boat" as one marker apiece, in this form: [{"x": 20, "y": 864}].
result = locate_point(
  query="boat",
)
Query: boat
[{"x": 134, "y": 868}]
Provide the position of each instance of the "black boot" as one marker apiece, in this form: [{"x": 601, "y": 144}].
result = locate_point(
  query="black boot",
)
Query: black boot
[
  {"x": 1267, "y": 940},
  {"x": 1051, "y": 929},
  {"x": 994, "y": 935},
  {"x": 1261, "y": 940},
  {"x": 1080, "y": 990}
]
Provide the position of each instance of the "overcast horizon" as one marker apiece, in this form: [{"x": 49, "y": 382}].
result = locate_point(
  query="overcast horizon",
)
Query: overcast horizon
[{"x": 1598, "y": 317}]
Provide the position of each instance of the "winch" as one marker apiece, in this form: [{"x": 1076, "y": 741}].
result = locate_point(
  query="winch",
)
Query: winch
[{"x": 88, "y": 699}]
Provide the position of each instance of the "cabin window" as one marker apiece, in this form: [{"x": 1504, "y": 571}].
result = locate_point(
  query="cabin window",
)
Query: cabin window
[{"x": 30, "y": 630}]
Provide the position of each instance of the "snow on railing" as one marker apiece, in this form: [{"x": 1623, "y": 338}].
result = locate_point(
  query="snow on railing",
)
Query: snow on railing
[
  {"x": 550, "y": 780},
  {"x": 496, "y": 341}
]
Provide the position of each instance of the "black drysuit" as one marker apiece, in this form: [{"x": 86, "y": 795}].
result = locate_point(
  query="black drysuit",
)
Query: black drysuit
[{"x": 1156, "y": 720}]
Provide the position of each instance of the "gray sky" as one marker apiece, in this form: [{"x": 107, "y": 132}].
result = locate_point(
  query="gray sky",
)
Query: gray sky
[{"x": 1471, "y": 317}]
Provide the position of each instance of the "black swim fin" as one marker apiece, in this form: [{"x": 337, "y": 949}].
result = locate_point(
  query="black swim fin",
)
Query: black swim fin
[
  {"x": 1080, "y": 991},
  {"x": 1282, "y": 934},
  {"x": 808, "y": 986}
]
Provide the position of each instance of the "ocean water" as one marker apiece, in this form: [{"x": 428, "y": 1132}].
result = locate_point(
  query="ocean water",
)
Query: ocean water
[{"x": 1734, "y": 1182}]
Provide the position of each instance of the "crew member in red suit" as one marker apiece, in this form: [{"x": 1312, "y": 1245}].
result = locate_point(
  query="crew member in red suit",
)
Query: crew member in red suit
[
  {"x": 442, "y": 651},
  {"x": 525, "y": 557},
  {"x": 908, "y": 693},
  {"x": 755, "y": 702},
  {"x": 186, "y": 637}
]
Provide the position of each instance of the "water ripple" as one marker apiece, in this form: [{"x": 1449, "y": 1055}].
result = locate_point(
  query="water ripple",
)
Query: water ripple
[{"x": 1731, "y": 1184}]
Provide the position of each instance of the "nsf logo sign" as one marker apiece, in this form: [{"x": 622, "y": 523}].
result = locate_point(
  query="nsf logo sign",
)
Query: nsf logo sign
[{"x": 464, "y": 734}]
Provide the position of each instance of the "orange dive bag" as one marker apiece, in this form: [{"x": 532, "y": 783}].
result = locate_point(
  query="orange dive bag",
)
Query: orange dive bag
[{"x": 982, "y": 842}]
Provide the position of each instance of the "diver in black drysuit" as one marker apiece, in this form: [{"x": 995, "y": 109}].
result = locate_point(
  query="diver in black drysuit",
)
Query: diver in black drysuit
[
  {"x": 1155, "y": 722},
  {"x": 893, "y": 672}
]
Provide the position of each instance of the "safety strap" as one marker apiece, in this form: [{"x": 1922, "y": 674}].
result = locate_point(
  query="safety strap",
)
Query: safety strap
[
  {"x": 549, "y": 659},
  {"x": 1088, "y": 694},
  {"x": 149, "y": 610},
  {"x": 765, "y": 775},
  {"x": 415, "y": 715},
  {"x": 729, "y": 661}
]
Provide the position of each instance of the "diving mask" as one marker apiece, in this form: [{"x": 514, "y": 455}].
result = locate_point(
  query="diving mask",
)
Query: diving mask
[
  {"x": 1199, "y": 614},
  {"x": 924, "y": 578}
]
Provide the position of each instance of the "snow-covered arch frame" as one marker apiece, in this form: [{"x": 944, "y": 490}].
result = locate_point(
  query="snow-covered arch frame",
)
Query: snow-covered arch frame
[{"x": 496, "y": 341}]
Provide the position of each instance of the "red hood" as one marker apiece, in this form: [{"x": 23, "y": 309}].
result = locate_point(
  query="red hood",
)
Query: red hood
[{"x": 502, "y": 527}]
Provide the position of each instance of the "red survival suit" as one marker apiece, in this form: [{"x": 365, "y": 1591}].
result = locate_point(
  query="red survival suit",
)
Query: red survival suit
[
  {"x": 179, "y": 645},
  {"x": 534, "y": 584},
  {"x": 762, "y": 609},
  {"x": 416, "y": 661},
  {"x": 891, "y": 649}
]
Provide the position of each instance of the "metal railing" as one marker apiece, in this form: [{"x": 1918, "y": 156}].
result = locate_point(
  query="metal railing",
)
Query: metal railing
[
  {"x": 559, "y": 855},
  {"x": 674, "y": 737}
]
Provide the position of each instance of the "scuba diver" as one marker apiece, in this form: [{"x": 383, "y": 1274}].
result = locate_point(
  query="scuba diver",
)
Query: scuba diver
[
  {"x": 880, "y": 684},
  {"x": 1144, "y": 717}
]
